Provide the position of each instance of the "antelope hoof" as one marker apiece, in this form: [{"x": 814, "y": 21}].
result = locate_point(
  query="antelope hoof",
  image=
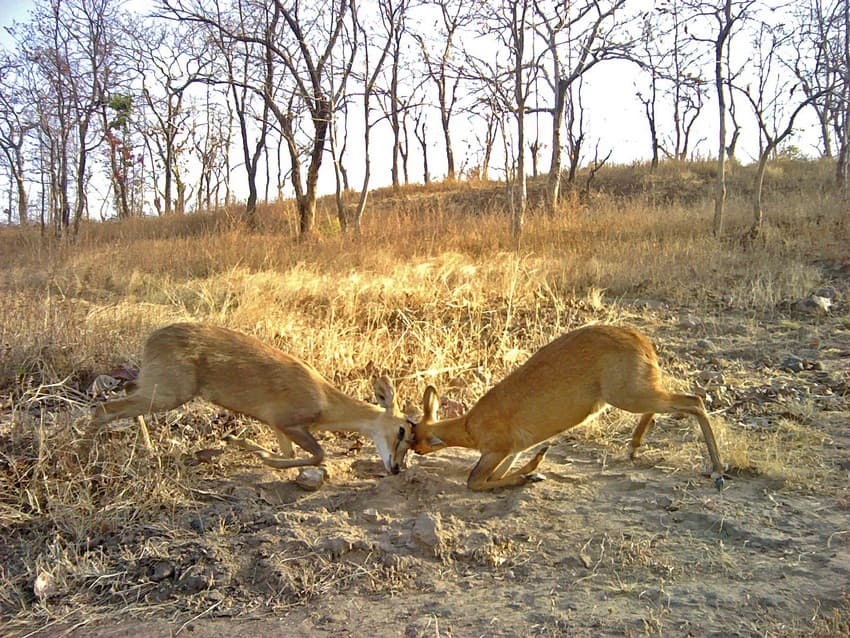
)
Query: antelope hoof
[{"x": 535, "y": 477}]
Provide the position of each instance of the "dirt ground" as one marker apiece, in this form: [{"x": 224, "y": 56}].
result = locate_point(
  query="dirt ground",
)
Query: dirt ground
[{"x": 602, "y": 547}]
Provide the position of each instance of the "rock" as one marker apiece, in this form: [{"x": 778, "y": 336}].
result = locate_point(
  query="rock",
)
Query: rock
[
  {"x": 815, "y": 305},
  {"x": 666, "y": 503},
  {"x": 824, "y": 303},
  {"x": 428, "y": 530},
  {"x": 483, "y": 375},
  {"x": 311, "y": 478},
  {"x": 44, "y": 586},
  {"x": 457, "y": 383},
  {"x": 648, "y": 304},
  {"x": 371, "y": 515},
  {"x": 193, "y": 580},
  {"x": 711, "y": 378},
  {"x": 689, "y": 322},
  {"x": 828, "y": 292},
  {"x": 704, "y": 344},
  {"x": 161, "y": 570},
  {"x": 162, "y": 593},
  {"x": 793, "y": 364},
  {"x": 208, "y": 455},
  {"x": 474, "y": 544},
  {"x": 337, "y": 546}
]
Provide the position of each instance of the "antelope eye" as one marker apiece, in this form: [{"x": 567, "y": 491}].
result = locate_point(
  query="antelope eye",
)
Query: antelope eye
[{"x": 401, "y": 434}]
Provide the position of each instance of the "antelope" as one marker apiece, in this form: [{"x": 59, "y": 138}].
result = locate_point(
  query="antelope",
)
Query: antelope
[
  {"x": 564, "y": 384},
  {"x": 241, "y": 373}
]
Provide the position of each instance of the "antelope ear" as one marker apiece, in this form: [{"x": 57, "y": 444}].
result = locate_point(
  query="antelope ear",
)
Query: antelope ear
[
  {"x": 385, "y": 392},
  {"x": 430, "y": 404}
]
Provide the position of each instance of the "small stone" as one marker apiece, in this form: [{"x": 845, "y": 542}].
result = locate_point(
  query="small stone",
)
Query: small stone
[
  {"x": 428, "y": 530},
  {"x": 648, "y": 304},
  {"x": 371, "y": 515},
  {"x": 474, "y": 544},
  {"x": 689, "y": 322},
  {"x": 815, "y": 305},
  {"x": 337, "y": 546},
  {"x": 827, "y": 292},
  {"x": 162, "y": 569},
  {"x": 711, "y": 377},
  {"x": 162, "y": 593},
  {"x": 192, "y": 582},
  {"x": 824, "y": 303},
  {"x": 793, "y": 364},
  {"x": 666, "y": 503},
  {"x": 704, "y": 344},
  {"x": 311, "y": 478}
]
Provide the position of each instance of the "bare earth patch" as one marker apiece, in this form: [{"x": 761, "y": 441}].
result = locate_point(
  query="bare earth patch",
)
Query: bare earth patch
[{"x": 602, "y": 547}]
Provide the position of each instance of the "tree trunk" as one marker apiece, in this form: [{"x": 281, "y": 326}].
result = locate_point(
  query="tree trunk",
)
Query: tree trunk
[
  {"x": 758, "y": 183},
  {"x": 720, "y": 187},
  {"x": 553, "y": 181},
  {"x": 447, "y": 135}
]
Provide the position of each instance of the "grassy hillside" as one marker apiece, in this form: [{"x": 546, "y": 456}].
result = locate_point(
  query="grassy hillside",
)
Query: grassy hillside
[
  {"x": 433, "y": 291},
  {"x": 436, "y": 261}
]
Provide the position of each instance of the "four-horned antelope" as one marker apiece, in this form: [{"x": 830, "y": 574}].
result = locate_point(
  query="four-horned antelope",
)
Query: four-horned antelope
[
  {"x": 564, "y": 384},
  {"x": 243, "y": 374}
]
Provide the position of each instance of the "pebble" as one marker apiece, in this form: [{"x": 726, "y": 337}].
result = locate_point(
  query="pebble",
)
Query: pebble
[
  {"x": 162, "y": 569},
  {"x": 428, "y": 530},
  {"x": 793, "y": 364},
  {"x": 704, "y": 344},
  {"x": 311, "y": 478}
]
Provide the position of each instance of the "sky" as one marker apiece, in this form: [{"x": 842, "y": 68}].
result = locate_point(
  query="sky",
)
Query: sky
[{"x": 11, "y": 10}]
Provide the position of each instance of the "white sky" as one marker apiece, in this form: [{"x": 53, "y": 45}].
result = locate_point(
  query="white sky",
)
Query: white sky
[{"x": 11, "y": 10}]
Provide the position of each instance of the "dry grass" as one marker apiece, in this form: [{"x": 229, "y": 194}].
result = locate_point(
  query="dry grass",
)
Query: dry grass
[{"x": 434, "y": 291}]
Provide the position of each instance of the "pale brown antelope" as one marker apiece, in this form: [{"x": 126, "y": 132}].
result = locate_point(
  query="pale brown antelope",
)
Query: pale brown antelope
[
  {"x": 564, "y": 384},
  {"x": 245, "y": 375}
]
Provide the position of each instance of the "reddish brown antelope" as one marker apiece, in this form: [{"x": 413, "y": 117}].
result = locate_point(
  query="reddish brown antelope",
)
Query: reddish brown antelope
[
  {"x": 564, "y": 384},
  {"x": 245, "y": 375}
]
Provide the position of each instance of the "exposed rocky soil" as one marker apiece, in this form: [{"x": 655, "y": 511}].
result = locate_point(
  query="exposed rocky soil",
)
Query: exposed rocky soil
[{"x": 604, "y": 546}]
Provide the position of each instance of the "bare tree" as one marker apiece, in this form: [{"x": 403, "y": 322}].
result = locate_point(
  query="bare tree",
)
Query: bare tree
[
  {"x": 298, "y": 39},
  {"x": 211, "y": 134},
  {"x": 17, "y": 120},
  {"x": 166, "y": 68},
  {"x": 652, "y": 58},
  {"x": 578, "y": 36},
  {"x": 66, "y": 96},
  {"x": 378, "y": 46},
  {"x": 575, "y": 126},
  {"x": 666, "y": 52},
  {"x": 395, "y": 103},
  {"x": 725, "y": 14},
  {"x": 814, "y": 36},
  {"x": 506, "y": 24},
  {"x": 776, "y": 102},
  {"x": 842, "y": 119},
  {"x": 420, "y": 130},
  {"x": 444, "y": 69}
]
